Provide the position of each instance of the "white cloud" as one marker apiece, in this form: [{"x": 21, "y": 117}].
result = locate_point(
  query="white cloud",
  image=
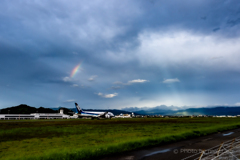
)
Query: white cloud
[
  {"x": 92, "y": 78},
  {"x": 100, "y": 94},
  {"x": 171, "y": 80},
  {"x": 107, "y": 95},
  {"x": 67, "y": 79},
  {"x": 237, "y": 104},
  {"x": 131, "y": 82},
  {"x": 138, "y": 81},
  {"x": 70, "y": 101},
  {"x": 110, "y": 95},
  {"x": 189, "y": 49}
]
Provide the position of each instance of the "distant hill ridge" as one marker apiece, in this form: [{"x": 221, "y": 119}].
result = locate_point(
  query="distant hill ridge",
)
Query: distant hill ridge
[
  {"x": 219, "y": 110},
  {"x": 25, "y": 109}
]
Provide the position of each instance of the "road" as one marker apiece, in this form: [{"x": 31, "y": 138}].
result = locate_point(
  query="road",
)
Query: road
[{"x": 178, "y": 150}]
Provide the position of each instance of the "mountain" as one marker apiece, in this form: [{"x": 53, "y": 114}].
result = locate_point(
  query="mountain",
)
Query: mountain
[
  {"x": 20, "y": 109},
  {"x": 155, "y": 112},
  {"x": 25, "y": 109},
  {"x": 159, "y": 110},
  {"x": 219, "y": 110}
]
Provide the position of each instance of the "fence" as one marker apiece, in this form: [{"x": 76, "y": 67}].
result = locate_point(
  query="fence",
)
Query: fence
[{"x": 229, "y": 150}]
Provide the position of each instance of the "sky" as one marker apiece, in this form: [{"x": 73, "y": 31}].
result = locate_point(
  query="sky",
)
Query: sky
[{"x": 106, "y": 54}]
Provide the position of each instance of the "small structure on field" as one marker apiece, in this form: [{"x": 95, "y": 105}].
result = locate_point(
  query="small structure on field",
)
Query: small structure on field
[{"x": 125, "y": 116}]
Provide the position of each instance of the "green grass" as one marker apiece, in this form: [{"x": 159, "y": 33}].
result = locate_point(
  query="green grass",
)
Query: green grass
[{"x": 88, "y": 139}]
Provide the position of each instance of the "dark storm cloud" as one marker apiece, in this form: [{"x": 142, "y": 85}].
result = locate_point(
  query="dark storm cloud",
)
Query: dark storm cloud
[
  {"x": 110, "y": 26},
  {"x": 116, "y": 25},
  {"x": 19, "y": 67}
]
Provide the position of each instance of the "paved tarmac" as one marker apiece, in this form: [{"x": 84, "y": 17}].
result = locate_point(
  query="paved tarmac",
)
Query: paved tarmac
[{"x": 178, "y": 150}]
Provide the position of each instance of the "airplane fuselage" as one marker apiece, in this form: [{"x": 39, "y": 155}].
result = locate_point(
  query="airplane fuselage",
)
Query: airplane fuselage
[
  {"x": 90, "y": 114},
  {"x": 98, "y": 115}
]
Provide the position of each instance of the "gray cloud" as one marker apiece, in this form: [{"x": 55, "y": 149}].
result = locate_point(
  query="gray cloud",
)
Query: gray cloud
[
  {"x": 40, "y": 45},
  {"x": 131, "y": 82},
  {"x": 116, "y": 87},
  {"x": 171, "y": 80}
]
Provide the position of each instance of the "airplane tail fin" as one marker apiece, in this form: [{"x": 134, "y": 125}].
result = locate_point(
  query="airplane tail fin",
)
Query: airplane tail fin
[{"x": 79, "y": 110}]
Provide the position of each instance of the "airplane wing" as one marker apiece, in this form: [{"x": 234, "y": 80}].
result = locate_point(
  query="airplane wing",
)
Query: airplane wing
[{"x": 102, "y": 115}]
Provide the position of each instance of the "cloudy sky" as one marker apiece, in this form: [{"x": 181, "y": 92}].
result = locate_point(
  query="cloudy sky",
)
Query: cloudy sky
[{"x": 117, "y": 54}]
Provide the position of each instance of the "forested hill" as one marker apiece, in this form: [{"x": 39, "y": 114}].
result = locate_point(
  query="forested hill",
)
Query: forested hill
[{"x": 25, "y": 109}]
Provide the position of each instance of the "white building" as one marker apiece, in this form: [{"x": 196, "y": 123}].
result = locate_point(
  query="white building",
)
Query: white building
[
  {"x": 34, "y": 116},
  {"x": 16, "y": 116}
]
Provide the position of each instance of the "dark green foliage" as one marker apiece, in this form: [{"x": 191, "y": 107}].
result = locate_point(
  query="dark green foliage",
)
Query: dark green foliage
[
  {"x": 21, "y": 109},
  {"x": 45, "y": 110},
  {"x": 25, "y": 109}
]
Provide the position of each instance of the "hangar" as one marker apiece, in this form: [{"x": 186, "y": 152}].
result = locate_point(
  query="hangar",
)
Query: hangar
[{"x": 60, "y": 115}]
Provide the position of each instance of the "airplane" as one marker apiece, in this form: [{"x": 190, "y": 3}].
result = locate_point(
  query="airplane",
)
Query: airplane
[{"x": 93, "y": 115}]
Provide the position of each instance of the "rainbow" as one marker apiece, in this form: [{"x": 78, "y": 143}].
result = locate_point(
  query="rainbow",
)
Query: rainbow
[{"x": 75, "y": 70}]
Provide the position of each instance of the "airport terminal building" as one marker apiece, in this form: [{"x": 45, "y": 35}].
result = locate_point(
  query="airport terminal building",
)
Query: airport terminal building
[{"x": 34, "y": 116}]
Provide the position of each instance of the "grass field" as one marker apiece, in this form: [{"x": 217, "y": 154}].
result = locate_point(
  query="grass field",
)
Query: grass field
[{"x": 88, "y": 139}]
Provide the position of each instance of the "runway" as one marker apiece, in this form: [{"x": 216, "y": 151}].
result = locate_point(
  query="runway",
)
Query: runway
[{"x": 178, "y": 150}]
